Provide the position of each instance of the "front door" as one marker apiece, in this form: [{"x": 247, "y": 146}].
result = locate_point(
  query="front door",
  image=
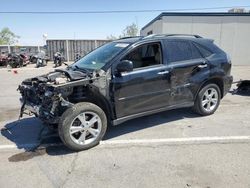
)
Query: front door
[{"x": 147, "y": 87}]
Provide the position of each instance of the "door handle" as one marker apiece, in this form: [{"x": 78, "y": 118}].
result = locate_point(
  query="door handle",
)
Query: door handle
[
  {"x": 203, "y": 64},
  {"x": 163, "y": 72}
]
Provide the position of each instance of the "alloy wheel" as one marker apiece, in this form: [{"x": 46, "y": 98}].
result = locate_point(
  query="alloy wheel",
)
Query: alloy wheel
[
  {"x": 85, "y": 128},
  {"x": 210, "y": 99}
]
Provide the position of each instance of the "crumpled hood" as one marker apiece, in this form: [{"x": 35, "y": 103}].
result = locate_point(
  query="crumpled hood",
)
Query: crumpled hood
[
  {"x": 57, "y": 77},
  {"x": 71, "y": 74}
]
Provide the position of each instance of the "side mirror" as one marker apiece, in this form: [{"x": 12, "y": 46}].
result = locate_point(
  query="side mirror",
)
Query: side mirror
[{"x": 124, "y": 66}]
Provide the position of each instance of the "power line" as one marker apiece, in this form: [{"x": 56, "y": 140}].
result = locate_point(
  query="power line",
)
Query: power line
[{"x": 118, "y": 11}]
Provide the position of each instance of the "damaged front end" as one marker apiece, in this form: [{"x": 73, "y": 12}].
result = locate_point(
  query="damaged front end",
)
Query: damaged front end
[{"x": 48, "y": 96}]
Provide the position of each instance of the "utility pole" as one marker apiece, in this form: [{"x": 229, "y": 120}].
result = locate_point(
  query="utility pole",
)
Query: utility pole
[{"x": 67, "y": 50}]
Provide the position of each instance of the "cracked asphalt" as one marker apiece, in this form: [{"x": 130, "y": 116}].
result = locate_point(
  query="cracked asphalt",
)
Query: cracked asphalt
[{"x": 33, "y": 156}]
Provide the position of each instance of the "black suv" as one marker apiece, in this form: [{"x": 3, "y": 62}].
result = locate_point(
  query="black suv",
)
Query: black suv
[{"x": 126, "y": 79}]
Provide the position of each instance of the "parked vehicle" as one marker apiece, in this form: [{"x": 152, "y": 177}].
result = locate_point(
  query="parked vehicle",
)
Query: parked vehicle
[
  {"x": 126, "y": 79},
  {"x": 41, "y": 59},
  {"x": 33, "y": 57},
  {"x": 58, "y": 59},
  {"x": 3, "y": 59},
  {"x": 17, "y": 60},
  {"x": 77, "y": 57}
]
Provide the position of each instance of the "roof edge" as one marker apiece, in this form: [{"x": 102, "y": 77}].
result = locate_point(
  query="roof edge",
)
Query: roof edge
[{"x": 194, "y": 14}]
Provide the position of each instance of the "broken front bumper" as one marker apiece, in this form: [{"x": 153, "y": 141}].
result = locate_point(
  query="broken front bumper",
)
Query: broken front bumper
[
  {"x": 25, "y": 105},
  {"x": 45, "y": 114}
]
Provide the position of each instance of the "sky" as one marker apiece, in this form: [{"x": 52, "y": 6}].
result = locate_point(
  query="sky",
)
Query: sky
[{"x": 31, "y": 27}]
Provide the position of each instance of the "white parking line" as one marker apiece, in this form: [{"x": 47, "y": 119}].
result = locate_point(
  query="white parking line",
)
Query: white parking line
[
  {"x": 190, "y": 140},
  {"x": 13, "y": 146},
  {"x": 179, "y": 140}
]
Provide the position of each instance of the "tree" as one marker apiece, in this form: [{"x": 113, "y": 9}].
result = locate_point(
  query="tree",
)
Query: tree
[
  {"x": 7, "y": 37},
  {"x": 129, "y": 31},
  {"x": 111, "y": 37}
]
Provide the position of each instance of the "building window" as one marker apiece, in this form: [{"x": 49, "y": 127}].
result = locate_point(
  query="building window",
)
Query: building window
[{"x": 150, "y": 32}]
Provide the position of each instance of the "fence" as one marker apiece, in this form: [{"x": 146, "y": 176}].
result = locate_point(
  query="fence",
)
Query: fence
[
  {"x": 69, "y": 48},
  {"x": 20, "y": 49}
]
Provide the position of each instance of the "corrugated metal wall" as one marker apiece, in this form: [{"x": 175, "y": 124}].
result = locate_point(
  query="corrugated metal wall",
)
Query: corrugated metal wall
[
  {"x": 81, "y": 47},
  {"x": 21, "y": 49},
  {"x": 4, "y": 49}
]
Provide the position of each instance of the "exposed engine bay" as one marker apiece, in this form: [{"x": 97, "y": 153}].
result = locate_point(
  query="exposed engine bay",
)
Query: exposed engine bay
[{"x": 48, "y": 96}]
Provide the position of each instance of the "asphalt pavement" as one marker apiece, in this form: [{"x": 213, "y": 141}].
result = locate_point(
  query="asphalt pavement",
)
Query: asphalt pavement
[{"x": 175, "y": 148}]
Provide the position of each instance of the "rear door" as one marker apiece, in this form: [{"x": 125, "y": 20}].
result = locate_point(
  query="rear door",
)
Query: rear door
[{"x": 187, "y": 67}]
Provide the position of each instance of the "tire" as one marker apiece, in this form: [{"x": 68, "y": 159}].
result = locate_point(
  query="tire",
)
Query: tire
[
  {"x": 72, "y": 121},
  {"x": 205, "y": 103},
  {"x": 12, "y": 64},
  {"x": 52, "y": 127}
]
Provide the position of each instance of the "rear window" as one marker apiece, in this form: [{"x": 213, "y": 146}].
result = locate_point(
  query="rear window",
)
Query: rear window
[{"x": 181, "y": 51}]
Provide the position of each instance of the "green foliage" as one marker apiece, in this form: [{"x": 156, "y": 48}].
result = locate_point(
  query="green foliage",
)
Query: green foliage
[
  {"x": 129, "y": 31},
  {"x": 7, "y": 37}
]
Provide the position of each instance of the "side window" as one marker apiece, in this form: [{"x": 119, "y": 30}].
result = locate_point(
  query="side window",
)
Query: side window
[
  {"x": 178, "y": 51},
  {"x": 205, "y": 52},
  {"x": 145, "y": 55}
]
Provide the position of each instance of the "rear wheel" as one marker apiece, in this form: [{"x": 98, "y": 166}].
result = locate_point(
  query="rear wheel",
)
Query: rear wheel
[
  {"x": 207, "y": 100},
  {"x": 82, "y": 126}
]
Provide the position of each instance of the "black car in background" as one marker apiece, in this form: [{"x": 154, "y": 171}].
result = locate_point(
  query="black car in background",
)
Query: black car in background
[{"x": 126, "y": 79}]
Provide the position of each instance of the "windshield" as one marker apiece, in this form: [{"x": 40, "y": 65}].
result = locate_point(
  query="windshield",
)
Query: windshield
[{"x": 99, "y": 57}]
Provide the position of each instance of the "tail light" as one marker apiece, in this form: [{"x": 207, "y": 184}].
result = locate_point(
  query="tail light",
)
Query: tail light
[{"x": 229, "y": 59}]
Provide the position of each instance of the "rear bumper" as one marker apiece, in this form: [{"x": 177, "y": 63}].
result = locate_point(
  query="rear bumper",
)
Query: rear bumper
[{"x": 228, "y": 80}]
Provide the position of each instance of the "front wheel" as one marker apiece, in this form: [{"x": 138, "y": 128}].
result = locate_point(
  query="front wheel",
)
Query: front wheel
[
  {"x": 82, "y": 126},
  {"x": 207, "y": 100}
]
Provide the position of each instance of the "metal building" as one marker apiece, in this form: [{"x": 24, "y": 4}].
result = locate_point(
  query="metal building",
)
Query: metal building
[{"x": 230, "y": 31}]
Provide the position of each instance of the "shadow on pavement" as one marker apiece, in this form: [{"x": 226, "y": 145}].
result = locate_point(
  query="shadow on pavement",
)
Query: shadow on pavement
[
  {"x": 149, "y": 121},
  {"x": 23, "y": 132},
  {"x": 241, "y": 93},
  {"x": 29, "y": 133}
]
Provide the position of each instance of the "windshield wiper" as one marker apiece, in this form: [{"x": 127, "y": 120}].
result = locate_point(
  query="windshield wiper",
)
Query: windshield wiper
[
  {"x": 82, "y": 69},
  {"x": 66, "y": 64}
]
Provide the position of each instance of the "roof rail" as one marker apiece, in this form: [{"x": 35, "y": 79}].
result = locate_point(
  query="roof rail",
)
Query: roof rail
[
  {"x": 151, "y": 35},
  {"x": 170, "y": 35},
  {"x": 129, "y": 37},
  {"x": 189, "y": 35}
]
